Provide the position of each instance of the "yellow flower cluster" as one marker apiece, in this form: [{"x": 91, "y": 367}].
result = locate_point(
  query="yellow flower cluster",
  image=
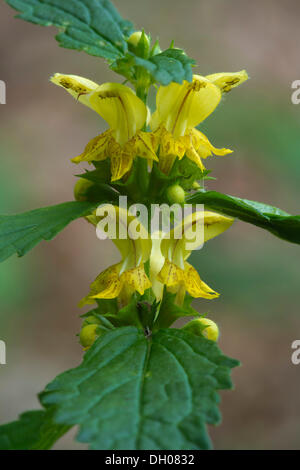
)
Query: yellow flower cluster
[
  {"x": 166, "y": 257},
  {"x": 179, "y": 109},
  {"x": 169, "y": 133}
]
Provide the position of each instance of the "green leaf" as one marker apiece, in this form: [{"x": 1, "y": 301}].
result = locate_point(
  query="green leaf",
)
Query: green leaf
[
  {"x": 171, "y": 65},
  {"x": 270, "y": 218},
  {"x": 136, "y": 392},
  {"x": 93, "y": 26},
  {"x": 34, "y": 430},
  {"x": 20, "y": 233}
]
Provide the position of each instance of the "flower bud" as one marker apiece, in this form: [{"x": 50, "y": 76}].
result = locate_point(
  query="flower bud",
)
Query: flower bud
[
  {"x": 81, "y": 188},
  {"x": 175, "y": 194},
  {"x": 91, "y": 319},
  {"x": 88, "y": 335},
  {"x": 203, "y": 326},
  {"x": 135, "y": 38},
  {"x": 139, "y": 43}
]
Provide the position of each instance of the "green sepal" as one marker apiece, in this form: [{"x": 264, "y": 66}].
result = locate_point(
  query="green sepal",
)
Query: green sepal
[
  {"x": 169, "y": 311},
  {"x": 184, "y": 173},
  {"x": 99, "y": 192},
  {"x": 101, "y": 175},
  {"x": 135, "y": 184},
  {"x": 124, "y": 316}
]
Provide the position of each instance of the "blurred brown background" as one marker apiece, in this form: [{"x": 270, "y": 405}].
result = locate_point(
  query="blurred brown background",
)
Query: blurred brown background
[{"x": 257, "y": 274}]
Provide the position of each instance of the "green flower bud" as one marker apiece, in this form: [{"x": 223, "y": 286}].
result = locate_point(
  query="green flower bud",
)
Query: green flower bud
[
  {"x": 88, "y": 335},
  {"x": 135, "y": 38},
  {"x": 203, "y": 326},
  {"x": 81, "y": 188},
  {"x": 139, "y": 43},
  {"x": 91, "y": 319},
  {"x": 175, "y": 194}
]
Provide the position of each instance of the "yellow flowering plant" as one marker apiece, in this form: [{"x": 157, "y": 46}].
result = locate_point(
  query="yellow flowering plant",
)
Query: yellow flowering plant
[{"x": 143, "y": 383}]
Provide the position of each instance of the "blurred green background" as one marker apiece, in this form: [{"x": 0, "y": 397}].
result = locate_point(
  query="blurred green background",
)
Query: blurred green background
[{"x": 257, "y": 274}]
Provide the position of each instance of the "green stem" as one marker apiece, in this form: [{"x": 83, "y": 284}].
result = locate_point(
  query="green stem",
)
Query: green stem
[
  {"x": 144, "y": 177},
  {"x": 142, "y": 93},
  {"x": 142, "y": 85}
]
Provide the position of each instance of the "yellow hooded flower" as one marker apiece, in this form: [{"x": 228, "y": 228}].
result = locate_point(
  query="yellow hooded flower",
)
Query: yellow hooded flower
[
  {"x": 124, "y": 278},
  {"x": 169, "y": 265},
  {"x": 180, "y": 108},
  {"x": 126, "y": 115}
]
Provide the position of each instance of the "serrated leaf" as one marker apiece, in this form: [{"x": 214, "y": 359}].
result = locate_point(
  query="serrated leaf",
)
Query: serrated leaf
[
  {"x": 133, "y": 392},
  {"x": 93, "y": 26},
  {"x": 270, "y": 218},
  {"x": 21, "y": 232},
  {"x": 171, "y": 65},
  {"x": 34, "y": 430}
]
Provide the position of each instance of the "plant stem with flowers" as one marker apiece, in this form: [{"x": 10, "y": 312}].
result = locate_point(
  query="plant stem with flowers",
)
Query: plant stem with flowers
[{"x": 143, "y": 384}]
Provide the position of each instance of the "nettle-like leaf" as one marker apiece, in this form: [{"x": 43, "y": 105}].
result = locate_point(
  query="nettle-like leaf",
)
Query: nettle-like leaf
[
  {"x": 34, "y": 430},
  {"x": 270, "y": 218},
  {"x": 21, "y": 232},
  {"x": 171, "y": 65},
  {"x": 96, "y": 27},
  {"x": 122, "y": 398},
  {"x": 93, "y": 26}
]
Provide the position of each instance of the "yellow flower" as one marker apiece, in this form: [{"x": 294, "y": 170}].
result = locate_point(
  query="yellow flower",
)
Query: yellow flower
[
  {"x": 170, "y": 267},
  {"x": 124, "y": 278},
  {"x": 126, "y": 115},
  {"x": 180, "y": 108}
]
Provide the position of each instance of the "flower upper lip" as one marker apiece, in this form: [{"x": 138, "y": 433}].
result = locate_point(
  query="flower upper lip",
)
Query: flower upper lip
[
  {"x": 126, "y": 115},
  {"x": 117, "y": 104},
  {"x": 182, "y": 107}
]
